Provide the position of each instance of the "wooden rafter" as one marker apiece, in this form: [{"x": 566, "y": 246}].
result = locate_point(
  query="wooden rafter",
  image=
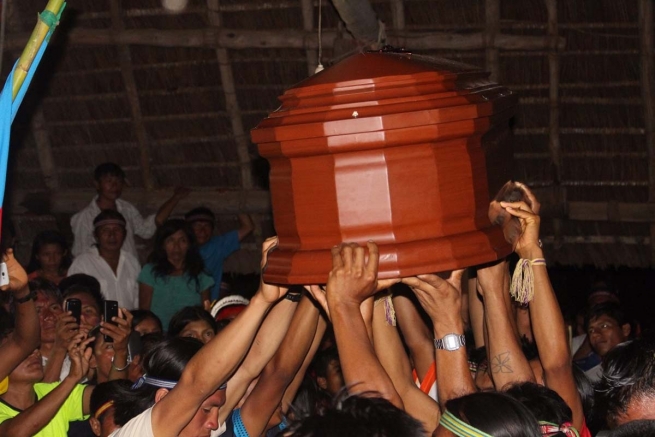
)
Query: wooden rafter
[
  {"x": 132, "y": 93},
  {"x": 293, "y": 39}
]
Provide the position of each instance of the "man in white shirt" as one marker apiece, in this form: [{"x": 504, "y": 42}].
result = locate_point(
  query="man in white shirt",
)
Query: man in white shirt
[
  {"x": 115, "y": 268},
  {"x": 109, "y": 181}
]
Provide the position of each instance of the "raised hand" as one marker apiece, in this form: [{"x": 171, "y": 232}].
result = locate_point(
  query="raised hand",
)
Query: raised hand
[
  {"x": 80, "y": 355},
  {"x": 527, "y": 243},
  {"x": 66, "y": 329},
  {"x": 119, "y": 330},
  {"x": 439, "y": 297},
  {"x": 17, "y": 275},
  {"x": 353, "y": 278},
  {"x": 318, "y": 293},
  {"x": 269, "y": 292}
]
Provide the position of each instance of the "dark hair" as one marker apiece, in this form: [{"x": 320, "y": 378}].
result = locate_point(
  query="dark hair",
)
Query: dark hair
[
  {"x": 105, "y": 392},
  {"x": 587, "y": 393},
  {"x": 108, "y": 168},
  {"x": 544, "y": 403},
  {"x": 628, "y": 375},
  {"x": 200, "y": 211},
  {"x": 359, "y": 416},
  {"x": 529, "y": 348},
  {"x": 82, "y": 279},
  {"x": 187, "y": 315},
  {"x": 96, "y": 294},
  {"x": 309, "y": 399},
  {"x": 193, "y": 264},
  {"x": 150, "y": 341},
  {"x": 609, "y": 309},
  {"x": 139, "y": 316},
  {"x": 323, "y": 360},
  {"x": 495, "y": 413},
  {"x": 166, "y": 360},
  {"x": 46, "y": 287},
  {"x": 49, "y": 237},
  {"x": 635, "y": 428}
]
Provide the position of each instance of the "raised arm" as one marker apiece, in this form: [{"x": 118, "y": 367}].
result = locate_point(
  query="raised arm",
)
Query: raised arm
[
  {"x": 30, "y": 421},
  {"x": 266, "y": 343},
  {"x": 215, "y": 362},
  {"x": 26, "y": 335},
  {"x": 167, "y": 208},
  {"x": 416, "y": 333},
  {"x": 246, "y": 226},
  {"x": 351, "y": 281},
  {"x": 280, "y": 371},
  {"x": 441, "y": 299},
  {"x": 390, "y": 351},
  {"x": 507, "y": 363},
  {"x": 547, "y": 322}
]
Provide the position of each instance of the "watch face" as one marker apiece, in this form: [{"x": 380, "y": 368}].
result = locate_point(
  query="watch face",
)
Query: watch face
[{"x": 451, "y": 342}]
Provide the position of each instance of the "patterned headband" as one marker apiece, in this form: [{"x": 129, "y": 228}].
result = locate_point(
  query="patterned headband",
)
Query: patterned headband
[
  {"x": 459, "y": 427},
  {"x": 161, "y": 383},
  {"x": 550, "y": 429},
  {"x": 109, "y": 222}
]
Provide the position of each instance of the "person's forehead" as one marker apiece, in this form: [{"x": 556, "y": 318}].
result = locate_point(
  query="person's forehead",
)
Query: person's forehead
[
  {"x": 45, "y": 298},
  {"x": 85, "y": 298},
  {"x": 603, "y": 318},
  {"x": 111, "y": 227}
]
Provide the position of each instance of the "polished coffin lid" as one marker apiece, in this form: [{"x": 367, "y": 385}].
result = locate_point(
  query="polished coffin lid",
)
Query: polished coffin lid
[{"x": 392, "y": 147}]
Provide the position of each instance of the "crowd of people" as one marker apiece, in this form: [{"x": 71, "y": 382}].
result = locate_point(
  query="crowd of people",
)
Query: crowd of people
[{"x": 445, "y": 354}]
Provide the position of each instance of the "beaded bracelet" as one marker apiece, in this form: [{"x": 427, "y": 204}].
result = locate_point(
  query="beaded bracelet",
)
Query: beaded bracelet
[{"x": 522, "y": 287}]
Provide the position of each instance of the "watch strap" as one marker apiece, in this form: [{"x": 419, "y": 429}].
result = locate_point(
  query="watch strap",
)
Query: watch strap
[
  {"x": 30, "y": 296},
  {"x": 439, "y": 343}
]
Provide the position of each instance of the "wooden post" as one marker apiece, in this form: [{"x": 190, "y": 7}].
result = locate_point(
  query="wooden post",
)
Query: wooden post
[
  {"x": 308, "y": 25},
  {"x": 44, "y": 150},
  {"x": 647, "y": 95},
  {"x": 398, "y": 15},
  {"x": 231, "y": 101},
  {"x": 132, "y": 93},
  {"x": 492, "y": 29},
  {"x": 553, "y": 103}
]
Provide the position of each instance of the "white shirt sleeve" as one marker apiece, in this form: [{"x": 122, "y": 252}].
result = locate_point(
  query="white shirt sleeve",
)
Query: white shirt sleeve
[
  {"x": 82, "y": 228},
  {"x": 139, "y": 426}
]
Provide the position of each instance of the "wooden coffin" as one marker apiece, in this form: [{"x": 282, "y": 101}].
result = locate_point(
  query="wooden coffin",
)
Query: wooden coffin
[{"x": 400, "y": 149}]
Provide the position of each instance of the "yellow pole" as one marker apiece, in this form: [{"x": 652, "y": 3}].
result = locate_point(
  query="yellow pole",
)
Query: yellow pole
[{"x": 33, "y": 44}]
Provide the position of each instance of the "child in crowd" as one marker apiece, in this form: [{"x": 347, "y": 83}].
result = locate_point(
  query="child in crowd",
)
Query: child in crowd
[{"x": 50, "y": 258}]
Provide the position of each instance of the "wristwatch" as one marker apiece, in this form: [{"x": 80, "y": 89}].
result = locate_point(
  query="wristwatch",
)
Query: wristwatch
[{"x": 450, "y": 342}]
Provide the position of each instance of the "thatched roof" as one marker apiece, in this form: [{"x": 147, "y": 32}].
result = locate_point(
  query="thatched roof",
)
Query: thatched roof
[{"x": 172, "y": 98}]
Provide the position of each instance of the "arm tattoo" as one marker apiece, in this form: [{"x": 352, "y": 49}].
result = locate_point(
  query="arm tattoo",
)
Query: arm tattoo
[{"x": 501, "y": 363}]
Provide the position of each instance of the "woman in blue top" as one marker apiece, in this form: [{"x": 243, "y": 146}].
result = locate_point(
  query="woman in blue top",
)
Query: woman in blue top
[{"x": 174, "y": 276}]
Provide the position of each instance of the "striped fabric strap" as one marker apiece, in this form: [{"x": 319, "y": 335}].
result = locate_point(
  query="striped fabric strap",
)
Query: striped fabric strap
[
  {"x": 155, "y": 382},
  {"x": 522, "y": 286},
  {"x": 550, "y": 429},
  {"x": 460, "y": 428}
]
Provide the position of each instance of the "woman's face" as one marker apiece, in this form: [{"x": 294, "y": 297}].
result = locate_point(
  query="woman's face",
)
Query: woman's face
[
  {"x": 147, "y": 326},
  {"x": 50, "y": 256},
  {"x": 198, "y": 329},
  {"x": 176, "y": 247}
]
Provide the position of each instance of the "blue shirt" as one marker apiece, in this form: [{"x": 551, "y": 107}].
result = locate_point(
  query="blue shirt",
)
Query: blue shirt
[
  {"x": 172, "y": 293},
  {"x": 214, "y": 253}
]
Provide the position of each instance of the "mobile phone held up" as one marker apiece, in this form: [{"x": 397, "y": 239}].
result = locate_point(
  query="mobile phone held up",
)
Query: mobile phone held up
[
  {"x": 111, "y": 311},
  {"x": 75, "y": 307}
]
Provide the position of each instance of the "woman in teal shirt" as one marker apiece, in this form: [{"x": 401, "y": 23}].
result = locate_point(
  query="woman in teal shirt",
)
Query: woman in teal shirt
[{"x": 174, "y": 276}]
